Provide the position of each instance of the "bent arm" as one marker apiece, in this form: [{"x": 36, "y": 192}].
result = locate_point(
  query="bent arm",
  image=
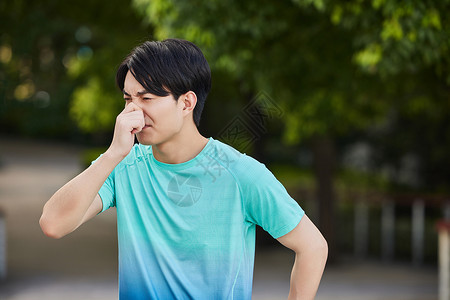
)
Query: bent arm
[
  {"x": 311, "y": 252},
  {"x": 77, "y": 201}
]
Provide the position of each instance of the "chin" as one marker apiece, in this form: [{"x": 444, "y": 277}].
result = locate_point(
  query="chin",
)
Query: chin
[{"x": 145, "y": 141}]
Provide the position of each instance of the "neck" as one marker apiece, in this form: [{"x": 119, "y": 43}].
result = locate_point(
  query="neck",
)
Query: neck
[{"x": 182, "y": 147}]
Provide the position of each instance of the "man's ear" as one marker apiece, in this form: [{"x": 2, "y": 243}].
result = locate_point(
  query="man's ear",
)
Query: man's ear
[{"x": 189, "y": 101}]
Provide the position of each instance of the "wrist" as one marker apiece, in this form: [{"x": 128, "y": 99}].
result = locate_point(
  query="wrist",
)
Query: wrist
[{"x": 114, "y": 155}]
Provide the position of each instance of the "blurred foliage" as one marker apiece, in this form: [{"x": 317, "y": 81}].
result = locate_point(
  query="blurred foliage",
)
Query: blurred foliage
[
  {"x": 292, "y": 176},
  {"x": 394, "y": 36},
  {"x": 57, "y": 56}
]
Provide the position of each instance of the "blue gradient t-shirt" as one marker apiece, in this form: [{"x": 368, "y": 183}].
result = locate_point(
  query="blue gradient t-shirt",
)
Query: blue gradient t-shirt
[{"x": 187, "y": 231}]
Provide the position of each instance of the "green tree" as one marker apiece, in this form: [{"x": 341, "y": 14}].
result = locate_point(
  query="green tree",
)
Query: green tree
[
  {"x": 407, "y": 44},
  {"x": 391, "y": 37}
]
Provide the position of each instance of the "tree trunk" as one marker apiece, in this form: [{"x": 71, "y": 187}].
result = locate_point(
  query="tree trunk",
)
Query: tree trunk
[{"x": 324, "y": 159}]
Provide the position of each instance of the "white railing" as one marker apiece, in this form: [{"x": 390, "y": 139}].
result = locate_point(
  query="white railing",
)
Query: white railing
[{"x": 388, "y": 223}]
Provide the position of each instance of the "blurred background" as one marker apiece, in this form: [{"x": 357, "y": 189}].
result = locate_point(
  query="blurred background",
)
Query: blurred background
[{"x": 346, "y": 102}]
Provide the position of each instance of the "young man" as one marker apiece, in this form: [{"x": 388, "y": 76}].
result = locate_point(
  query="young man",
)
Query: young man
[{"x": 187, "y": 206}]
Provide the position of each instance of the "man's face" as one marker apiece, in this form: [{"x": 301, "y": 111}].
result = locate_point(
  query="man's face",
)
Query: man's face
[{"x": 162, "y": 115}]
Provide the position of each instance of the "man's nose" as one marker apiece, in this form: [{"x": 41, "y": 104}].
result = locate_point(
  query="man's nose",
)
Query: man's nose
[
  {"x": 134, "y": 105},
  {"x": 136, "y": 102}
]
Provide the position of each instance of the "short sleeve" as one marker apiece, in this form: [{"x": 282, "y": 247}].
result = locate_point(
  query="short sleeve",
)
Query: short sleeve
[
  {"x": 107, "y": 191},
  {"x": 267, "y": 203}
]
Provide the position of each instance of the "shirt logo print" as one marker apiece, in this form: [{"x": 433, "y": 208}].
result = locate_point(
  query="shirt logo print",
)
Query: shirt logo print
[{"x": 184, "y": 190}]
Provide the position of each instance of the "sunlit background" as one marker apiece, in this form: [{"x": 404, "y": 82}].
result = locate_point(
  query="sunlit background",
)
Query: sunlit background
[{"x": 346, "y": 102}]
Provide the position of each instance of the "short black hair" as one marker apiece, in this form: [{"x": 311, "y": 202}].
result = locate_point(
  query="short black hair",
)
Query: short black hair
[{"x": 171, "y": 66}]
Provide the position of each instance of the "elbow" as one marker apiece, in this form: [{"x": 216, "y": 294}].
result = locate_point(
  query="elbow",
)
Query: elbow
[
  {"x": 321, "y": 245},
  {"x": 319, "y": 248},
  {"x": 324, "y": 248},
  {"x": 50, "y": 229}
]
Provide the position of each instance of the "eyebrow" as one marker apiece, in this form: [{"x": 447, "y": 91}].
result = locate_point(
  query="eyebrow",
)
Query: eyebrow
[{"x": 140, "y": 93}]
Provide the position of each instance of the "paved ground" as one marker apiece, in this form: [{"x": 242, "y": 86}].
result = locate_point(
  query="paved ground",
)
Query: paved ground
[{"x": 83, "y": 265}]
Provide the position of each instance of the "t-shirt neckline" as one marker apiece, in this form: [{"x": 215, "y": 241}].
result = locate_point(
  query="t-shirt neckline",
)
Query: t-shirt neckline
[{"x": 185, "y": 164}]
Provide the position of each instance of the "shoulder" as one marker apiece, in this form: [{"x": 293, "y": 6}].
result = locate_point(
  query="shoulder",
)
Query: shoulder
[{"x": 242, "y": 166}]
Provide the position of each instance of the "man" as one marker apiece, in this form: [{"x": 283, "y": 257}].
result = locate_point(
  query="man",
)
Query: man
[{"x": 187, "y": 206}]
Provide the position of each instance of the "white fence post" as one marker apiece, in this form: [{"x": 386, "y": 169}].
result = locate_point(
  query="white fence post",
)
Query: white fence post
[{"x": 444, "y": 260}]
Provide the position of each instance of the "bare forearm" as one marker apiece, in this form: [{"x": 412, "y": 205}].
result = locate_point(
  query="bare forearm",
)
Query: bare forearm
[
  {"x": 307, "y": 273},
  {"x": 64, "y": 211}
]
